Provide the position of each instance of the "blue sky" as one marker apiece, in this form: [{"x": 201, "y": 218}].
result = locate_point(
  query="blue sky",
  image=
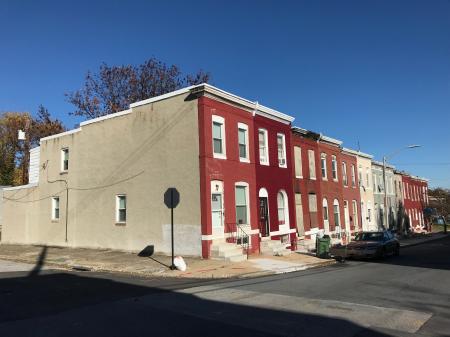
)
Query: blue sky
[{"x": 374, "y": 72}]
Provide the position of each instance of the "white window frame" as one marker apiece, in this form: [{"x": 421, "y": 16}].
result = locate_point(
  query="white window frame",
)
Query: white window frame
[
  {"x": 298, "y": 165},
  {"x": 312, "y": 164},
  {"x": 285, "y": 208},
  {"x": 283, "y": 143},
  {"x": 323, "y": 166},
  {"x": 344, "y": 174},
  {"x": 247, "y": 199},
  {"x": 334, "y": 168},
  {"x": 118, "y": 196},
  {"x": 355, "y": 214},
  {"x": 336, "y": 204},
  {"x": 326, "y": 214},
  {"x": 353, "y": 173},
  {"x": 265, "y": 160},
  {"x": 65, "y": 150},
  {"x": 220, "y": 120},
  {"x": 246, "y": 159},
  {"x": 56, "y": 200}
]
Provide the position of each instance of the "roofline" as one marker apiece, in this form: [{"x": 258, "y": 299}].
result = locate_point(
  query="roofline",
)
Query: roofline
[
  {"x": 61, "y": 134},
  {"x": 379, "y": 163},
  {"x": 330, "y": 140},
  {"x": 365, "y": 155},
  {"x": 20, "y": 187},
  {"x": 350, "y": 151},
  {"x": 252, "y": 105}
]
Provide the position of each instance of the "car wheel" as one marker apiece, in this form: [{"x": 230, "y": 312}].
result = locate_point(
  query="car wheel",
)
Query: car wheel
[{"x": 397, "y": 251}]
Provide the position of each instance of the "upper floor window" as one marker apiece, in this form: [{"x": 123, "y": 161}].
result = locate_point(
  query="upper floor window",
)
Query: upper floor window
[
  {"x": 323, "y": 165},
  {"x": 344, "y": 173},
  {"x": 55, "y": 208},
  {"x": 121, "y": 208},
  {"x": 367, "y": 178},
  {"x": 281, "y": 145},
  {"x": 353, "y": 176},
  {"x": 218, "y": 135},
  {"x": 334, "y": 167},
  {"x": 312, "y": 164},
  {"x": 374, "y": 180},
  {"x": 263, "y": 147},
  {"x": 298, "y": 161},
  {"x": 361, "y": 182},
  {"x": 65, "y": 159},
  {"x": 243, "y": 142}
]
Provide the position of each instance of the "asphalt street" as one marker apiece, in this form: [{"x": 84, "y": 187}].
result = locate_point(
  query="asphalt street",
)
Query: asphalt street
[{"x": 407, "y": 295}]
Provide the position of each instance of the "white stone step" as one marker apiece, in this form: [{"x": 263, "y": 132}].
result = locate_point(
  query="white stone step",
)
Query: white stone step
[{"x": 227, "y": 251}]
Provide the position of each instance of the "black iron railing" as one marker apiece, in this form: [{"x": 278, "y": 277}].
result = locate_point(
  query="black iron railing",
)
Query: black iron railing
[{"x": 236, "y": 234}]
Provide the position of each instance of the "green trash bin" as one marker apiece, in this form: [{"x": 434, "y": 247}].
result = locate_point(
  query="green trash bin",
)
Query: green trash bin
[{"x": 323, "y": 247}]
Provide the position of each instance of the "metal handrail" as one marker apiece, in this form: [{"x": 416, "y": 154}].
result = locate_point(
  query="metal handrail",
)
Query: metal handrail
[{"x": 239, "y": 236}]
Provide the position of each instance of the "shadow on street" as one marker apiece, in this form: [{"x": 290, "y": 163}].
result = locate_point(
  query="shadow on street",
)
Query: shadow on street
[{"x": 45, "y": 303}]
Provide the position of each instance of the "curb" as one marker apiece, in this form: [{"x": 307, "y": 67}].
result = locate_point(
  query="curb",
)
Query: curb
[
  {"x": 406, "y": 245},
  {"x": 284, "y": 270}
]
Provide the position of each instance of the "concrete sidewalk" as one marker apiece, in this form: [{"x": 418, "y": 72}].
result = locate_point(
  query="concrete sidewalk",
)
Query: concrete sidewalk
[
  {"x": 418, "y": 239},
  {"x": 155, "y": 266}
]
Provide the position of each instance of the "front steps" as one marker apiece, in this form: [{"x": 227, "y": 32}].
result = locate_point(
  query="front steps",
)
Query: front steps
[
  {"x": 222, "y": 250},
  {"x": 273, "y": 247}
]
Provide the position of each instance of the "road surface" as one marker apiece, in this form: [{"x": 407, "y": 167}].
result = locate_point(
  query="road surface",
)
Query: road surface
[{"x": 407, "y": 295}]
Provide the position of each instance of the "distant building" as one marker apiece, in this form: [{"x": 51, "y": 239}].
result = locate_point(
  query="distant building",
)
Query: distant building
[
  {"x": 364, "y": 162},
  {"x": 380, "y": 188}
]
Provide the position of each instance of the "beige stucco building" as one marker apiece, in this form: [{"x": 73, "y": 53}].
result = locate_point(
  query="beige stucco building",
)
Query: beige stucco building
[
  {"x": 364, "y": 162},
  {"x": 129, "y": 158}
]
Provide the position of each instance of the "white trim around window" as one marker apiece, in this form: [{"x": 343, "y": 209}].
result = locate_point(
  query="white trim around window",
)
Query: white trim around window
[
  {"x": 281, "y": 147},
  {"x": 55, "y": 209},
  {"x": 242, "y": 184},
  {"x": 298, "y": 162},
  {"x": 121, "y": 208},
  {"x": 243, "y": 129},
  {"x": 65, "y": 159},
  {"x": 334, "y": 168},
  {"x": 323, "y": 166},
  {"x": 263, "y": 145},
  {"x": 219, "y": 147}
]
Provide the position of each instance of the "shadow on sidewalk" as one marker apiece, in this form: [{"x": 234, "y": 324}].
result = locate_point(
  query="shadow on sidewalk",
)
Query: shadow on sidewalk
[{"x": 39, "y": 263}]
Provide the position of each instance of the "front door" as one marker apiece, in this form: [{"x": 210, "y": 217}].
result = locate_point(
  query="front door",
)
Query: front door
[
  {"x": 346, "y": 217},
  {"x": 263, "y": 216},
  {"x": 217, "y": 214}
]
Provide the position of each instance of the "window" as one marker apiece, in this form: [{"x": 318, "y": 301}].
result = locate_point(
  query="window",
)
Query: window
[
  {"x": 281, "y": 146},
  {"x": 344, "y": 173},
  {"x": 367, "y": 179},
  {"x": 312, "y": 202},
  {"x": 374, "y": 179},
  {"x": 353, "y": 176},
  {"x": 281, "y": 206},
  {"x": 323, "y": 165},
  {"x": 298, "y": 162},
  {"x": 218, "y": 135},
  {"x": 64, "y": 159},
  {"x": 334, "y": 167},
  {"x": 325, "y": 209},
  {"x": 336, "y": 213},
  {"x": 243, "y": 142},
  {"x": 121, "y": 208},
  {"x": 355, "y": 214},
  {"x": 241, "y": 198},
  {"x": 312, "y": 164},
  {"x": 55, "y": 208},
  {"x": 361, "y": 182},
  {"x": 263, "y": 147}
]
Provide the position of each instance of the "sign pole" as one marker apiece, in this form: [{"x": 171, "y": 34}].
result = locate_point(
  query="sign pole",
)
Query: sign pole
[{"x": 172, "y": 266}]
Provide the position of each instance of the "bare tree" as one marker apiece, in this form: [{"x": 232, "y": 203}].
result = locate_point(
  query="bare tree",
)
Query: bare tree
[{"x": 113, "y": 88}]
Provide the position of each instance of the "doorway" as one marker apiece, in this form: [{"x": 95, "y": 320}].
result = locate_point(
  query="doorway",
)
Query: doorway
[
  {"x": 217, "y": 209},
  {"x": 264, "y": 213}
]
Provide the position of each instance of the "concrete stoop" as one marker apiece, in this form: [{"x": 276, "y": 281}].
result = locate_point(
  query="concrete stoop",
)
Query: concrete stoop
[
  {"x": 222, "y": 250},
  {"x": 306, "y": 246},
  {"x": 273, "y": 247}
]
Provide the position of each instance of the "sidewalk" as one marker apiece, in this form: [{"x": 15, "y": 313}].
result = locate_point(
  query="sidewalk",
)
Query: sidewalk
[
  {"x": 421, "y": 238},
  {"x": 155, "y": 266}
]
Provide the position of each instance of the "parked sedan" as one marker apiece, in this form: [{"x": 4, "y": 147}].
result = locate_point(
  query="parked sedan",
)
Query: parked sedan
[{"x": 368, "y": 245}]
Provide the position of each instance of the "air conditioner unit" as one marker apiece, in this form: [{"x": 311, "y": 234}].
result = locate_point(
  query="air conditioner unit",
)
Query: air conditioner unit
[{"x": 281, "y": 161}]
